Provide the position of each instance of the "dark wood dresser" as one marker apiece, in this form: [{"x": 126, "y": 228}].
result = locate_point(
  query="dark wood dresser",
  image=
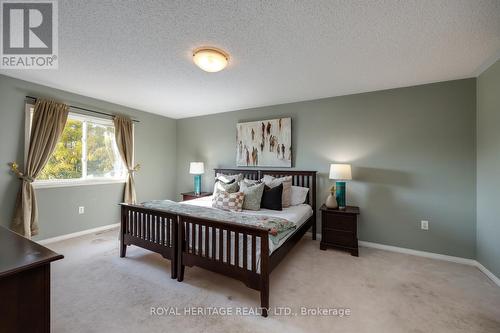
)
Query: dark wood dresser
[
  {"x": 339, "y": 229},
  {"x": 24, "y": 284},
  {"x": 191, "y": 195}
]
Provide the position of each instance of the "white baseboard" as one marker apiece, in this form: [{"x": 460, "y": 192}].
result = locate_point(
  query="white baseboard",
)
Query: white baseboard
[
  {"x": 459, "y": 260},
  {"x": 431, "y": 255},
  {"x": 486, "y": 272},
  {"x": 425, "y": 254},
  {"x": 78, "y": 234}
]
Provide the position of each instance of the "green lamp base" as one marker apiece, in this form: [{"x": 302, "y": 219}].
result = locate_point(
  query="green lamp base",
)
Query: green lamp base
[
  {"x": 340, "y": 194},
  {"x": 197, "y": 184}
]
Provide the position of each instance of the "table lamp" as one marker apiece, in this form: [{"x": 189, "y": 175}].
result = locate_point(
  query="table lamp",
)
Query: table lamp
[
  {"x": 197, "y": 169},
  {"x": 341, "y": 173}
]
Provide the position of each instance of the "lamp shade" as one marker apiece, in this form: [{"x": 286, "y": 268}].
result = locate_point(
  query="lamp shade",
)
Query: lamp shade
[
  {"x": 196, "y": 168},
  {"x": 340, "y": 171}
]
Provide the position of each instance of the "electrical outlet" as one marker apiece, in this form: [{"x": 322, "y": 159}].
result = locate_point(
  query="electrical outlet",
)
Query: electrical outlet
[
  {"x": 424, "y": 225},
  {"x": 81, "y": 210}
]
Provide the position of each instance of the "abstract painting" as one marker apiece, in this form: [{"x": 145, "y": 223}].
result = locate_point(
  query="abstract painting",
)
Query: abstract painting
[{"x": 266, "y": 143}]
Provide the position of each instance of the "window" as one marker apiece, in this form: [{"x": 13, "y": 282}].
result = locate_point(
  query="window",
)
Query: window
[{"x": 85, "y": 154}]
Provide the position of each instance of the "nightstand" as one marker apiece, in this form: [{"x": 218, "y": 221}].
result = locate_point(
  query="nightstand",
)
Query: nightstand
[
  {"x": 339, "y": 229},
  {"x": 191, "y": 195}
]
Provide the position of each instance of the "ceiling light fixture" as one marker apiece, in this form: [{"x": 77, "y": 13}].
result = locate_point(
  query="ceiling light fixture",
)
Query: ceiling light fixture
[{"x": 210, "y": 59}]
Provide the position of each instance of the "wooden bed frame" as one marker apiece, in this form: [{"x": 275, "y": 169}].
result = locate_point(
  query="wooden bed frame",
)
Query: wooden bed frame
[
  {"x": 151, "y": 229},
  {"x": 155, "y": 229}
]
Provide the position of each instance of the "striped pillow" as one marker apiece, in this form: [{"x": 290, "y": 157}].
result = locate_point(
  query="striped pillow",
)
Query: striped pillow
[{"x": 229, "y": 201}]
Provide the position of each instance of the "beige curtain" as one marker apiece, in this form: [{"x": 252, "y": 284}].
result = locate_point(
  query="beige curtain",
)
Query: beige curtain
[
  {"x": 124, "y": 134},
  {"x": 49, "y": 119}
]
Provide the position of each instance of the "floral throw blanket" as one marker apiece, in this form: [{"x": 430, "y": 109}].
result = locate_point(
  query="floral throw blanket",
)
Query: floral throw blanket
[{"x": 278, "y": 227}]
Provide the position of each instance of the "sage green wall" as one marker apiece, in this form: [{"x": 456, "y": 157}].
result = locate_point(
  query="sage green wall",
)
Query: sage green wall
[
  {"x": 488, "y": 168},
  {"x": 58, "y": 207},
  {"x": 412, "y": 151}
]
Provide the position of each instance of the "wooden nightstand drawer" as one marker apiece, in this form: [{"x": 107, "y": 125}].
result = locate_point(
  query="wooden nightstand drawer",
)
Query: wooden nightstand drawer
[
  {"x": 340, "y": 222},
  {"x": 339, "y": 229},
  {"x": 343, "y": 238}
]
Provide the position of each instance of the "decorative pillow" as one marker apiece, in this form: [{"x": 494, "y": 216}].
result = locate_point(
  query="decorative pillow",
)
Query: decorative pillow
[
  {"x": 299, "y": 195},
  {"x": 230, "y": 187},
  {"x": 229, "y": 201},
  {"x": 225, "y": 181},
  {"x": 228, "y": 178},
  {"x": 253, "y": 194},
  {"x": 272, "y": 197},
  {"x": 250, "y": 181},
  {"x": 287, "y": 187}
]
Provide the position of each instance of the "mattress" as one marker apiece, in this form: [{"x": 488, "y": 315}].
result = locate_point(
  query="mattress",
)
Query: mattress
[{"x": 298, "y": 214}]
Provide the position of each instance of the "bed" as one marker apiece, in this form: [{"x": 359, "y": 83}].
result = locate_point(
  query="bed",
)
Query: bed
[
  {"x": 298, "y": 214},
  {"x": 240, "y": 251}
]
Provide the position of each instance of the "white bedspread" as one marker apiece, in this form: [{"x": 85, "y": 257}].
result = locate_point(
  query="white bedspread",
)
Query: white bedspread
[{"x": 298, "y": 214}]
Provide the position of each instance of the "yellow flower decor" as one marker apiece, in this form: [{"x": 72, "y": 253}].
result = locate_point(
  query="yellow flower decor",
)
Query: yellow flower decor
[
  {"x": 136, "y": 168},
  {"x": 14, "y": 167}
]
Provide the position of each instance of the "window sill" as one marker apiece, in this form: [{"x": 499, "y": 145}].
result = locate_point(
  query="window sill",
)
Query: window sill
[{"x": 75, "y": 183}]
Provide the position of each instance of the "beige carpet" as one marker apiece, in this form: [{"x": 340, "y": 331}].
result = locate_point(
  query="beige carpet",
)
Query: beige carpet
[{"x": 93, "y": 290}]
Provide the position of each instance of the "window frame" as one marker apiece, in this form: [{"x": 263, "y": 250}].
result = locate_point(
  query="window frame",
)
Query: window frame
[{"x": 54, "y": 183}]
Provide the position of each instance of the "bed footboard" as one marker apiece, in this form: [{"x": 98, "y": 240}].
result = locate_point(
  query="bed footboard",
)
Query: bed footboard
[
  {"x": 235, "y": 250},
  {"x": 150, "y": 229}
]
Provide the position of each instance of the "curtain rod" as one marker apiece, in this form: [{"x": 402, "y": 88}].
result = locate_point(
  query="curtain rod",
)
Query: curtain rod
[{"x": 88, "y": 110}]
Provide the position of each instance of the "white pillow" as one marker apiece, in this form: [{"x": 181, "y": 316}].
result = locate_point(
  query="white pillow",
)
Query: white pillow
[
  {"x": 249, "y": 181},
  {"x": 299, "y": 195},
  {"x": 228, "y": 178}
]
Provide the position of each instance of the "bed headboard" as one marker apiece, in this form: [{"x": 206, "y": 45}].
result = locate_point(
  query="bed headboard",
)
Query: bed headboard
[
  {"x": 299, "y": 178},
  {"x": 249, "y": 174}
]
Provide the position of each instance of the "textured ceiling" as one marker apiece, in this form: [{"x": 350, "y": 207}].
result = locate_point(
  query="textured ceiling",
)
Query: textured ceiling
[{"x": 138, "y": 53}]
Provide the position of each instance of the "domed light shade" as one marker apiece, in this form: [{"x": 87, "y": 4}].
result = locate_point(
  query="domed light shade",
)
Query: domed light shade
[{"x": 210, "y": 59}]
